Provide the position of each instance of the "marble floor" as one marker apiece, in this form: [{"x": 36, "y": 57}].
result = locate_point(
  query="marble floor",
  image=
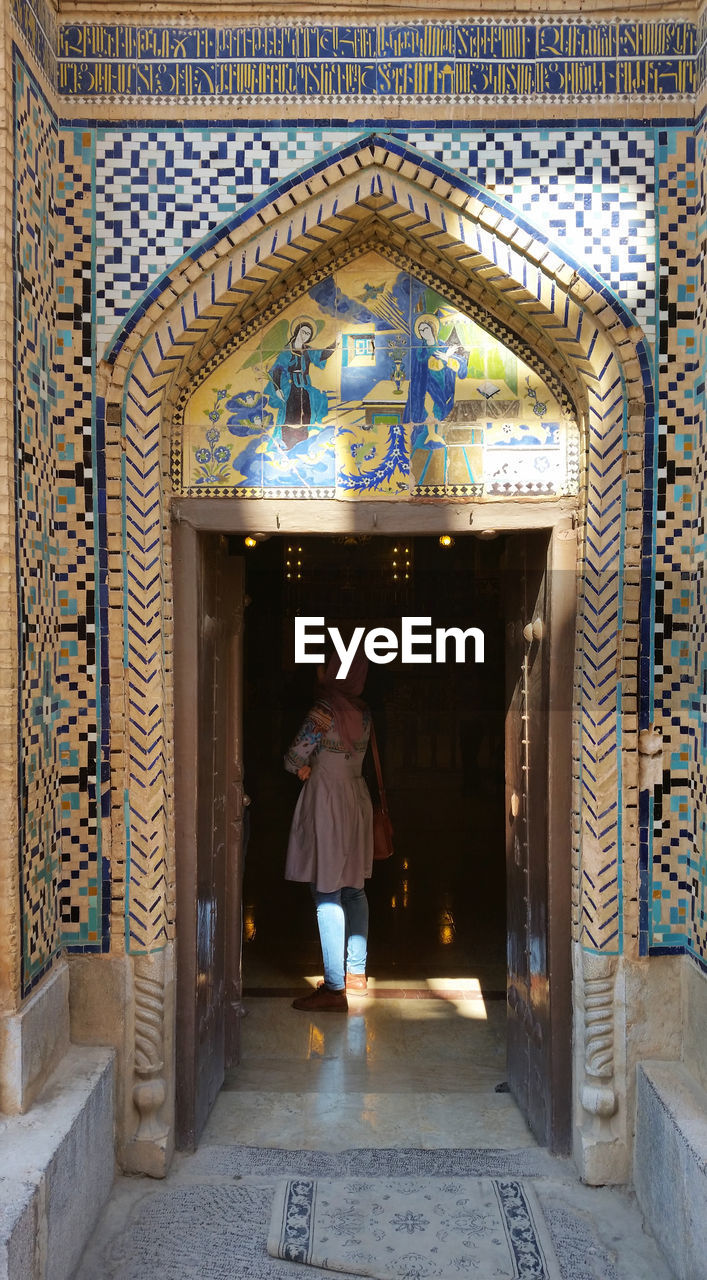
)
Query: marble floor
[
  {"x": 417, "y": 1061},
  {"x": 411, "y": 1070}
]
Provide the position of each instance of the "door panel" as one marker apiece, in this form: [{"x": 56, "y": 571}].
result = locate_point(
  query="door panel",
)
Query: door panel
[
  {"x": 538, "y": 676},
  {"x": 235, "y": 584},
  {"x": 208, "y": 811},
  {"x": 516, "y": 865}
]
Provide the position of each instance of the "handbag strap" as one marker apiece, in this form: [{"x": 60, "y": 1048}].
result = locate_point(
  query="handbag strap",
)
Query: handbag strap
[{"x": 379, "y": 773}]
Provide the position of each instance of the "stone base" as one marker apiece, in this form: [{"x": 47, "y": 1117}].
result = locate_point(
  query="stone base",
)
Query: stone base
[
  {"x": 670, "y": 1167},
  {"x": 33, "y": 1041},
  {"x": 694, "y": 1044},
  {"x": 152, "y": 1158},
  {"x": 640, "y": 1020},
  {"x": 57, "y": 1165},
  {"x": 599, "y": 1139}
]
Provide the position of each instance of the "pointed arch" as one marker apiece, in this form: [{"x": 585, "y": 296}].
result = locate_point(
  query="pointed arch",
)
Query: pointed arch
[{"x": 377, "y": 191}]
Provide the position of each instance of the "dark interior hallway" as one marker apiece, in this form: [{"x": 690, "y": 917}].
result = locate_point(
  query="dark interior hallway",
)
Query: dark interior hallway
[{"x": 438, "y": 906}]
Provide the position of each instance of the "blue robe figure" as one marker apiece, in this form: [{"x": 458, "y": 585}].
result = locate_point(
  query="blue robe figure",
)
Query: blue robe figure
[
  {"x": 434, "y": 369},
  {"x": 297, "y": 403}
]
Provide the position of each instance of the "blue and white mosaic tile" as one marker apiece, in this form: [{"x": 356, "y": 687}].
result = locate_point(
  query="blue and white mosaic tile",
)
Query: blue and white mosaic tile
[{"x": 159, "y": 191}]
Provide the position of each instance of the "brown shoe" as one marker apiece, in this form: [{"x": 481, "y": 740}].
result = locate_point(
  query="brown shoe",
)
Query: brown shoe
[
  {"x": 323, "y": 1000},
  {"x": 356, "y": 984}
]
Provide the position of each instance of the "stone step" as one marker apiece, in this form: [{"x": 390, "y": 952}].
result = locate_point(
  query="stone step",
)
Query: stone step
[
  {"x": 670, "y": 1167},
  {"x": 57, "y": 1166}
]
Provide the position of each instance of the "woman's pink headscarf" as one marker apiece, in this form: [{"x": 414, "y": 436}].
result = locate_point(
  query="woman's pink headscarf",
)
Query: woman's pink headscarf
[{"x": 343, "y": 696}]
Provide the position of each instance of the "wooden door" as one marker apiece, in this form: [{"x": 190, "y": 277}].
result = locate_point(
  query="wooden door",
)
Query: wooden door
[
  {"x": 208, "y": 584},
  {"x": 540, "y": 594}
]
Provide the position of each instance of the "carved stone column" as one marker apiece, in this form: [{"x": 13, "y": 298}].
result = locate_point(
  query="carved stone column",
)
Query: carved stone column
[
  {"x": 150, "y": 1150},
  {"x": 598, "y": 1093},
  {"x": 149, "y": 1089},
  {"x": 601, "y": 1144}
]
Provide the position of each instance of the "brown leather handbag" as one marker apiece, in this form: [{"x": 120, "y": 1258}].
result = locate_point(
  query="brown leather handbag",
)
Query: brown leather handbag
[{"x": 382, "y": 825}]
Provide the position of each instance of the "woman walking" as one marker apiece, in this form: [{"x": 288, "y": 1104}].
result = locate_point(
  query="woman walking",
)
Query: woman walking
[{"x": 331, "y": 838}]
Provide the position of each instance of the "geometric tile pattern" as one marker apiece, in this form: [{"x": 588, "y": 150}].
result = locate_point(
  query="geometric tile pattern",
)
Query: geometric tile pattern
[
  {"x": 158, "y": 191},
  {"x": 689, "y": 798},
  {"x": 41, "y": 551},
  {"x": 669, "y": 856},
  {"x": 620, "y": 204},
  {"x": 673, "y": 866},
  {"x": 593, "y": 189},
  {"x": 697, "y": 709},
  {"x": 173, "y": 347},
  {"x": 589, "y": 188},
  {"x": 60, "y": 841},
  {"x": 83, "y": 899},
  {"x": 452, "y": 61}
]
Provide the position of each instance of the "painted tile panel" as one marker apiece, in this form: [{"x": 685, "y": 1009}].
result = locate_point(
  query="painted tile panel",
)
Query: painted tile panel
[{"x": 378, "y": 390}]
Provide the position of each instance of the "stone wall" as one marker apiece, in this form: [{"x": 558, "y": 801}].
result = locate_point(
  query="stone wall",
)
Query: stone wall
[
  {"x": 585, "y": 130},
  {"x": 160, "y": 189},
  {"x": 130, "y": 202}
]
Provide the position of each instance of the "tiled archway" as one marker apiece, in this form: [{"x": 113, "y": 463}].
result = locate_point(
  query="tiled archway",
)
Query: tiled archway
[{"x": 376, "y": 191}]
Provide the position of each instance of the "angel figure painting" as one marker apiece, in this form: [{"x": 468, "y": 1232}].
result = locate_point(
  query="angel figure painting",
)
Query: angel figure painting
[
  {"x": 374, "y": 385},
  {"x": 297, "y": 403}
]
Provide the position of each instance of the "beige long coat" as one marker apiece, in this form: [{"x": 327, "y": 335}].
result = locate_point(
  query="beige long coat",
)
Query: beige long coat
[{"x": 331, "y": 837}]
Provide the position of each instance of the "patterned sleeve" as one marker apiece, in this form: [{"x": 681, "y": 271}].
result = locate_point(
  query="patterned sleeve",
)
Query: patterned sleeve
[{"x": 317, "y": 723}]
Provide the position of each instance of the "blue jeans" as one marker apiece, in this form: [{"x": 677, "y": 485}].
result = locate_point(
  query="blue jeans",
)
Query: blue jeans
[{"x": 342, "y": 917}]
